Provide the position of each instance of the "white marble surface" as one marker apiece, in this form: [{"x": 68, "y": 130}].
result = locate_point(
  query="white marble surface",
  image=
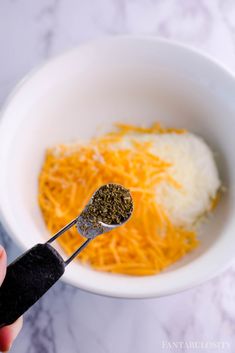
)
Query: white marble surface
[{"x": 67, "y": 319}]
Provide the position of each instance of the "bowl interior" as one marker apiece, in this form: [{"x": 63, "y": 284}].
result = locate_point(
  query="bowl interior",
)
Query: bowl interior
[{"x": 82, "y": 93}]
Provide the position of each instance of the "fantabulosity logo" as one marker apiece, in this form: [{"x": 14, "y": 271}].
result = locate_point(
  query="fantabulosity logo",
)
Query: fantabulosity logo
[{"x": 195, "y": 345}]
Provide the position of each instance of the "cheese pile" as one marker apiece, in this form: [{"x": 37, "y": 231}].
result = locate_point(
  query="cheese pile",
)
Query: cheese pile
[
  {"x": 192, "y": 166},
  {"x": 173, "y": 180}
]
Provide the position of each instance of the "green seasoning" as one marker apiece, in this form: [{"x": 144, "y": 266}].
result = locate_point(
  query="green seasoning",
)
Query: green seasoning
[{"x": 110, "y": 206}]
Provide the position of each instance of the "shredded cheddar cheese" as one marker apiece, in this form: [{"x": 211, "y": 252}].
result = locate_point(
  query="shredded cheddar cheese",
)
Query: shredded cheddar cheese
[{"x": 145, "y": 245}]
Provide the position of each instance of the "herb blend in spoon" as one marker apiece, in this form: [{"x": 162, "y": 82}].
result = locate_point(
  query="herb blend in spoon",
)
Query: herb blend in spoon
[{"x": 110, "y": 206}]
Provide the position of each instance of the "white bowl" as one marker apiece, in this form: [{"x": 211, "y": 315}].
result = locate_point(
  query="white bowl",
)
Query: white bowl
[{"x": 133, "y": 80}]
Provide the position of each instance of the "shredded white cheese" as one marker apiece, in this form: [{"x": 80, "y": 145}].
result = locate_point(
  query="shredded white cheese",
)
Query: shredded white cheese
[{"x": 193, "y": 167}]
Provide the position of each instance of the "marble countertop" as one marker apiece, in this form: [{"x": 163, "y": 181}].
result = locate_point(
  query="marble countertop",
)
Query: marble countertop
[{"x": 70, "y": 320}]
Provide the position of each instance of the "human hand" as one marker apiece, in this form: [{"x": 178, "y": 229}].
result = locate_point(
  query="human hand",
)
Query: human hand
[{"x": 7, "y": 333}]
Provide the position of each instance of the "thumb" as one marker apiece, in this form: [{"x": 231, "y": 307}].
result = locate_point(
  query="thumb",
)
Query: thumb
[{"x": 3, "y": 262}]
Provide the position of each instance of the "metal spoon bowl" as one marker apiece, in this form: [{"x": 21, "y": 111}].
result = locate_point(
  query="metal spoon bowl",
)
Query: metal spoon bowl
[{"x": 90, "y": 229}]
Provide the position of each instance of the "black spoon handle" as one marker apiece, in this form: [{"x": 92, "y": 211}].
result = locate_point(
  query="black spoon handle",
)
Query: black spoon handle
[{"x": 27, "y": 279}]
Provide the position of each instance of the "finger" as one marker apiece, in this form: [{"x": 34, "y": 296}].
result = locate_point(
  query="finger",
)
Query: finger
[
  {"x": 8, "y": 334},
  {"x": 3, "y": 262}
]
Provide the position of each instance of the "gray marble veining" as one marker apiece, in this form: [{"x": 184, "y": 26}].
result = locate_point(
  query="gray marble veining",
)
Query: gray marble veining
[{"x": 70, "y": 320}]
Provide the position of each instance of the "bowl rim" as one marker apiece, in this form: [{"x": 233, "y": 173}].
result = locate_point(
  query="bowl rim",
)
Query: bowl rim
[{"x": 157, "y": 40}]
